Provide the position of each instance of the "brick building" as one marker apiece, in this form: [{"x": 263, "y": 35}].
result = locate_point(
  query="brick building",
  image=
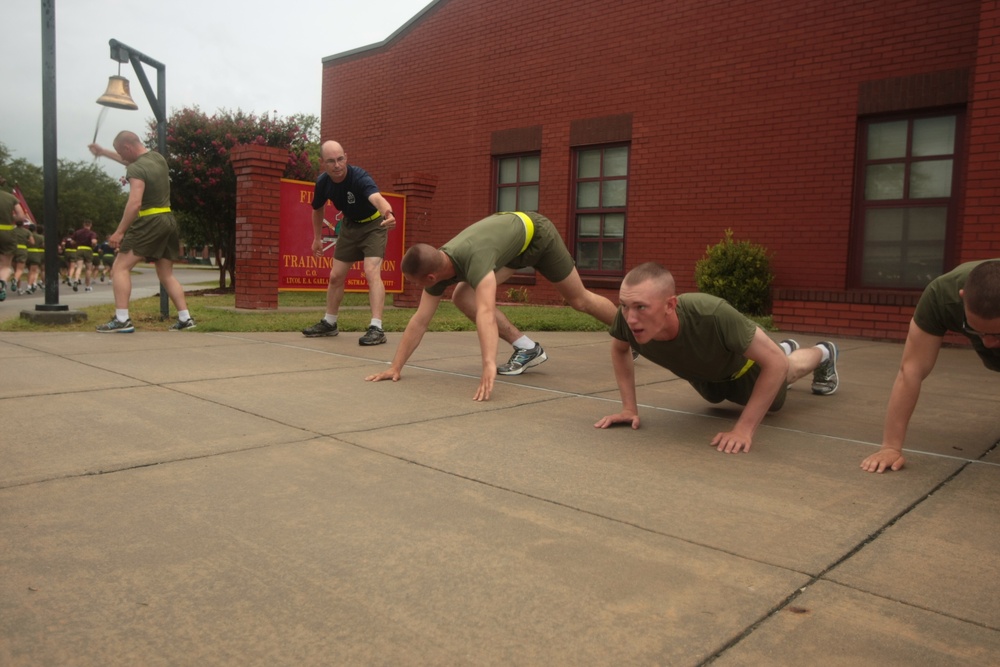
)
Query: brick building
[{"x": 858, "y": 141}]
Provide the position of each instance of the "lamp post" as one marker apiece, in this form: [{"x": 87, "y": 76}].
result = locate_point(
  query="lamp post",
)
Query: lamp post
[
  {"x": 122, "y": 53},
  {"x": 50, "y": 161}
]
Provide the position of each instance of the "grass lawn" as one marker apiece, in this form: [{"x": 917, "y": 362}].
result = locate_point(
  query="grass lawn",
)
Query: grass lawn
[{"x": 298, "y": 310}]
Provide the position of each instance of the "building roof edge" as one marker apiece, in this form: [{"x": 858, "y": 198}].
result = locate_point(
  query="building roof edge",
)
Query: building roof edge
[{"x": 385, "y": 42}]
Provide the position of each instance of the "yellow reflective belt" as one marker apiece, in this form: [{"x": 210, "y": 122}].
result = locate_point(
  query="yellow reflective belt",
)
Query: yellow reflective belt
[
  {"x": 529, "y": 230},
  {"x": 6, "y": 228},
  {"x": 369, "y": 218},
  {"x": 743, "y": 370},
  {"x": 153, "y": 211},
  {"x": 36, "y": 249},
  {"x": 22, "y": 247},
  {"x": 84, "y": 247}
]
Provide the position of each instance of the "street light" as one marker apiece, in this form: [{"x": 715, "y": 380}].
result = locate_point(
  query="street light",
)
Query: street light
[
  {"x": 50, "y": 160},
  {"x": 117, "y": 96}
]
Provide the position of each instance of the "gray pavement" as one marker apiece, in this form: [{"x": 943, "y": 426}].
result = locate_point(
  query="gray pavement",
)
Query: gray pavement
[{"x": 215, "y": 499}]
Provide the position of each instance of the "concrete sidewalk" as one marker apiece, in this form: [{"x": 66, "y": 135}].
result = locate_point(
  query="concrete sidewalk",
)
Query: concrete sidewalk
[{"x": 215, "y": 499}]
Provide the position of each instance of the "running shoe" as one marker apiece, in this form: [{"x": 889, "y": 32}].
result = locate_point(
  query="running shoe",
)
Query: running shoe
[
  {"x": 374, "y": 336},
  {"x": 522, "y": 360},
  {"x": 791, "y": 343},
  {"x": 116, "y": 326},
  {"x": 322, "y": 328},
  {"x": 825, "y": 378}
]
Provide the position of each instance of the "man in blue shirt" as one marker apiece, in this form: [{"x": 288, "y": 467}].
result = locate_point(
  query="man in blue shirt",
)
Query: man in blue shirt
[{"x": 363, "y": 233}]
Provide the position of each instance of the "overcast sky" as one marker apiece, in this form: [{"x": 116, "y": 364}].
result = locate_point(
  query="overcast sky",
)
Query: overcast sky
[{"x": 256, "y": 55}]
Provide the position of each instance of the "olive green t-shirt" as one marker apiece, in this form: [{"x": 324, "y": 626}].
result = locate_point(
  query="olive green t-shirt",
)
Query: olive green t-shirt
[
  {"x": 21, "y": 235},
  {"x": 941, "y": 310},
  {"x": 481, "y": 249},
  {"x": 7, "y": 204},
  {"x": 151, "y": 169},
  {"x": 709, "y": 346}
]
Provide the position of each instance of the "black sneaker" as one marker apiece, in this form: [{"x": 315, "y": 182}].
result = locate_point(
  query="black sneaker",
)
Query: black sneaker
[
  {"x": 3, "y": 290},
  {"x": 825, "y": 378},
  {"x": 792, "y": 345},
  {"x": 323, "y": 328},
  {"x": 180, "y": 325},
  {"x": 76, "y": 286},
  {"x": 522, "y": 360},
  {"x": 374, "y": 336},
  {"x": 116, "y": 326}
]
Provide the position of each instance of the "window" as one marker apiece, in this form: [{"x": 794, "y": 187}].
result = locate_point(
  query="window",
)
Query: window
[
  {"x": 517, "y": 182},
  {"x": 906, "y": 199},
  {"x": 601, "y": 193}
]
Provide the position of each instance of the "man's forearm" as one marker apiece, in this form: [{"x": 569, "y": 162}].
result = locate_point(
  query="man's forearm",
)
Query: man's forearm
[
  {"x": 486, "y": 328},
  {"x": 624, "y": 369},
  {"x": 412, "y": 336},
  {"x": 317, "y": 223},
  {"x": 902, "y": 402},
  {"x": 764, "y": 391}
]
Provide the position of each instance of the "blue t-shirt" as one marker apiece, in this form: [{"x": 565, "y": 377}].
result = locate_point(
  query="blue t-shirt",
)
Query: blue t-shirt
[{"x": 350, "y": 196}]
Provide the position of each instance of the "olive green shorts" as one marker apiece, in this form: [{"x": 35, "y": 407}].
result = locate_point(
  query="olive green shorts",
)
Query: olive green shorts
[
  {"x": 8, "y": 244},
  {"x": 85, "y": 256},
  {"x": 738, "y": 390},
  {"x": 358, "y": 240},
  {"x": 546, "y": 253},
  {"x": 154, "y": 237}
]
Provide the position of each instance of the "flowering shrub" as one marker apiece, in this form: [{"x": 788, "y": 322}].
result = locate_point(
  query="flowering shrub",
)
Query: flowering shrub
[{"x": 202, "y": 181}]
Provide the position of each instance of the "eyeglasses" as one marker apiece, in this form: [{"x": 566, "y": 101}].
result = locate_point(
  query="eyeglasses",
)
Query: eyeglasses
[{"x": 978, "y": 334}]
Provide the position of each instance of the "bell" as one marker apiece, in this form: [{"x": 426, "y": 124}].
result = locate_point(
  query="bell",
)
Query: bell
[{"x": 117, "y": 95}]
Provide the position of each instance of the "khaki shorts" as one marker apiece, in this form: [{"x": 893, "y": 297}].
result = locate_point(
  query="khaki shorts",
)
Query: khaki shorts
[
  {"x": 154, "y": 237},
  {"x": 360, "y": 239},
  {"x": 546, "y": 253},
  {"x": 85, "y": 256},
  {"x": 738, "y": 391}
]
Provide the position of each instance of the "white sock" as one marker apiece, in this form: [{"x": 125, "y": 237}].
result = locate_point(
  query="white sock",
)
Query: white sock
[
  {"x": 376, "y": 323},
  {"x": 121, "y": 314},
  {"x": 183, "y": 315},
  {"x": 524, "y": 343},
  {"x": 826, "y": 353},
  {"x": 786, "y": 348},
  {"x": 330, "y": 319}
]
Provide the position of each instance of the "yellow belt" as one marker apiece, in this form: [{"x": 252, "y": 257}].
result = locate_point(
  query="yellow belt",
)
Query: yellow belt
[
  {"x": 84, "y": 247},
  {"x": 6, "y": 228},
  {"x": 369, "y": 218},
  {"x": 21, "y": 247},
  {"x": 529, "y": 229},
  {"x": 153, "y": 211},
  {"x": 740, "y": 373},
  {"x": 36, "y": 249}
]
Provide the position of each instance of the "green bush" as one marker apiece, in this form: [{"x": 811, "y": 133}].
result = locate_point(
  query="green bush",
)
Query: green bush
[{"x": 737, "y": 271}]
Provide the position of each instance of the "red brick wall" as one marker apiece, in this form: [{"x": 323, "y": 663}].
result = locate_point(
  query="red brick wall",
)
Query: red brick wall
[
  {"x": 744, "y": 114},
  {"x": 258, "y": 209}
]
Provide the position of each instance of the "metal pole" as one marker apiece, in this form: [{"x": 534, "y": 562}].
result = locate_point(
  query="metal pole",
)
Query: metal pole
[{"x": 50, "y": 161}]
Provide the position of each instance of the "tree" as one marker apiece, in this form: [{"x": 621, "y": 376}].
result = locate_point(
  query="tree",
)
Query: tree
[
  {"x": 203, "y": 184},
  {"x": 84, "y": 191}
]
